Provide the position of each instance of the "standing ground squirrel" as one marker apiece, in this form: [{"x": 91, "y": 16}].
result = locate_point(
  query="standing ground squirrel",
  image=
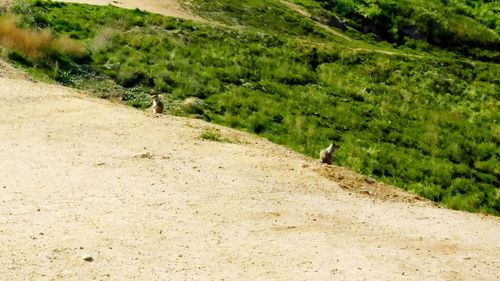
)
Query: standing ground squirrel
[
  {"x": 157, "y": 105},
  {"x": 326, "y": 155}
]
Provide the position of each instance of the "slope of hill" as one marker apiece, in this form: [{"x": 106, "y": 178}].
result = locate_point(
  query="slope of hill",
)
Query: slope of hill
[
  {"x": 469, "y": 27},
  {"x": 146, "y": 198},
  {"x": 421, "y": 119}
]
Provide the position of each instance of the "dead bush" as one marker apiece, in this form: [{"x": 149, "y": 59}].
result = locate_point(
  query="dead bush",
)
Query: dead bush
[{"x": 36, "y": 44}]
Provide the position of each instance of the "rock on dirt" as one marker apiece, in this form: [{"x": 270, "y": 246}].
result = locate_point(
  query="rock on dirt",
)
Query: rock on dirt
[{"x": 87, "y": 258}]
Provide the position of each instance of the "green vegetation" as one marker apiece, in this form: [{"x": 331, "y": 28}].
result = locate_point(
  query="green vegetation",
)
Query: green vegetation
[
  {"x": 425, "y": 123},
  {"x": 40, "y": 48},
  {"x": 211, "y": 136},
  {"x": 214, "y": 135},
  {"x": 469, "y": 27},
  {"x": 267, "y": 15}
]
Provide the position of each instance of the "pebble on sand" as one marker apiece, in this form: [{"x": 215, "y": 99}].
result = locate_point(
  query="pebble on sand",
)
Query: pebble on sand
[{"x": 87, "y": 258}]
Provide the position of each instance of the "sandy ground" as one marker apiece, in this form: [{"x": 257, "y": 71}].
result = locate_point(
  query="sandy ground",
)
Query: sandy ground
[
  {"x": 170, "y": 8},
  {"x": 147, "y": 199}
]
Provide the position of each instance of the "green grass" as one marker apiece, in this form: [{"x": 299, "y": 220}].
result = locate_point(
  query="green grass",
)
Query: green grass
[
  {"x": 428, "y": 124},
  {"x": 267, "y": 15},
  {"x": 211, "y": 136},
  {"x": 471, "y": 28},
  {"x": 214, "y": 135}
]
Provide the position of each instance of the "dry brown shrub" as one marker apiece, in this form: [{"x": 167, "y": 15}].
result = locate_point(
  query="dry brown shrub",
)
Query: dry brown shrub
[
  {"x": 36, "y": 43},
  {"x": 32, "y": 43},
  {"x": 69, "y": 46}
]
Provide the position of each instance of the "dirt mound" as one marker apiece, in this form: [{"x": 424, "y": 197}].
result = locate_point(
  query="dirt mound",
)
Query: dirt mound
[{"x": 367, "y": 186}]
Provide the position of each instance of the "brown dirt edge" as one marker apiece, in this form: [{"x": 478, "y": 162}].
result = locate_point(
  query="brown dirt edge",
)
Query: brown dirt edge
[{"x": 368, "y": 187}]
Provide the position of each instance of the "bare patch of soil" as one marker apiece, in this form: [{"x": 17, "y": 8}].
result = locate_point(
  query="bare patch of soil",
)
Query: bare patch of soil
[
  {"x": 171, "y": 8},
  {"x": 366, "y": 186},
  {"x": 8, "y": 71}
]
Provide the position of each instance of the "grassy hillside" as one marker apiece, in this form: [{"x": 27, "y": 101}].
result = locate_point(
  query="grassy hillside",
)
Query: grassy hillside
[
  {"x": 425, "y": 122},
  {"x": 469, "y": 27}
]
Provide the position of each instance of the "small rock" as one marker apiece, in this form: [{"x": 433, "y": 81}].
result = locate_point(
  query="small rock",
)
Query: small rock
[
  {"x": 87, "y": 258},
  {"x": 368, "y": 192},
  {"x": 147, "y": 155}
]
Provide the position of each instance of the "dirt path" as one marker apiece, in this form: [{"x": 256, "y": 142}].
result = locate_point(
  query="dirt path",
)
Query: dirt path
[
  {"x": 170, "y": 8},
  {"x": 306, "y": 14},
  {"x": 148, "y": 200}
]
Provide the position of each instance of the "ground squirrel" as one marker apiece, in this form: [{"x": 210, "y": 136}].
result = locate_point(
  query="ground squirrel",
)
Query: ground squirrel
[
  {"x": 157, "y": 105},
  {"x": 326, "y": 154}
]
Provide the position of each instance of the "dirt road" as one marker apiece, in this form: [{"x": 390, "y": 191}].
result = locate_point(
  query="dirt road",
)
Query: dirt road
[
  {"x": 146, "y": 199},
  {"x": 170, "y": 8}
]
